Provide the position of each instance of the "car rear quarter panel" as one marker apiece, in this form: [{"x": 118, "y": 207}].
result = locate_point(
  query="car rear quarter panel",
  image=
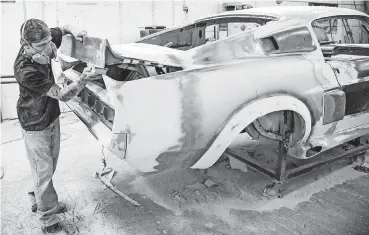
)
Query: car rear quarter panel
[{"x": 171, "y": 119}]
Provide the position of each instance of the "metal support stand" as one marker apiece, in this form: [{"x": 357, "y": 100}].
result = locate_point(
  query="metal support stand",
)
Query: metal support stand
[
  {"x": 275, "y": 189},
  {"x": 281, "y": 162},
  {"x": 281, "y": 174},
  {"x": 282, "y": 150}
]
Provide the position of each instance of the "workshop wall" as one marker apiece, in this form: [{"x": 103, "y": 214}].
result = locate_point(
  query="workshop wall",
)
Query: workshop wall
[{"x": 120, "y": 21}]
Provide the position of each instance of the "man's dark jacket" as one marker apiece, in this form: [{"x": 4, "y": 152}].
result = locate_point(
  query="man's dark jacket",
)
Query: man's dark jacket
[{"x": 36, "y": 111}]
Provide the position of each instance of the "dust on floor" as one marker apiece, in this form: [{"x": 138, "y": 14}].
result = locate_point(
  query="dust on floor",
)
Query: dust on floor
[{"x": 220, "y": 200}]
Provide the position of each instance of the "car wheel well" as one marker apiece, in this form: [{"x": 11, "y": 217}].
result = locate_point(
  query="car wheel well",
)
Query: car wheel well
[
  {"x": 267, "y": 127},
  {"x": 256, "y": 110}
]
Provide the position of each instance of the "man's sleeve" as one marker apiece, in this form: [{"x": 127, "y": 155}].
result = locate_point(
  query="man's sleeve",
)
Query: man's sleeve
[
  {"x": 34, "y": 82},
  {"x": 56, "y": 35}
]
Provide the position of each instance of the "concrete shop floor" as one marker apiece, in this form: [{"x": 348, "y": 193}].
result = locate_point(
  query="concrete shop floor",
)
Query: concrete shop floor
[{"x": 330, "y": 200}]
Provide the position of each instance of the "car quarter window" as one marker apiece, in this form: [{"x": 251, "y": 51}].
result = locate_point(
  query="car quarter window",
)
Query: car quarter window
[
  {"x": 342, "y": 30},
  {"x": 294, "y": 40},
  {"x": 220, "y": 30}
]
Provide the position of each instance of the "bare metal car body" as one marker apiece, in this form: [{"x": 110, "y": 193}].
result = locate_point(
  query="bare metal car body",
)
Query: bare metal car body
[{"x": 211, "y": 91}]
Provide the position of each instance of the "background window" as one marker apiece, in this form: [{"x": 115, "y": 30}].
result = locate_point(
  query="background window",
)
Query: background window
[
  {"x": 330, "y": 30},
  {"x": 212, "y": 32},
  {"x": 359, "y": 30},
  {"x": 341, "y": 31}
]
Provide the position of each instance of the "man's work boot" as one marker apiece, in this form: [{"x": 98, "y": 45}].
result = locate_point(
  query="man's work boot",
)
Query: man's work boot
[{"x": 55, "y": 228}]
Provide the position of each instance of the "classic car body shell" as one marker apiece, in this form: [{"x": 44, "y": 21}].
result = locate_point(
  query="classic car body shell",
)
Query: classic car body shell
[{"x": 189, "y": 117}]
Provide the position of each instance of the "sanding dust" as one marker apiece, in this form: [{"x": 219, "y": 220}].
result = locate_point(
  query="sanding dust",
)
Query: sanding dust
[
  {"x": 143, "y": 187},
  {"x": 164, "y": 188},
  {"x": 184, "y": 189},
  {"x": 293, "y": 199},
  {"x": 229, "y": 185}
]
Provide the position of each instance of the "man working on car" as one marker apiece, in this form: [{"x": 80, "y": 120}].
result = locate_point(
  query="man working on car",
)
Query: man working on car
[{"x": 38, "y": 111}]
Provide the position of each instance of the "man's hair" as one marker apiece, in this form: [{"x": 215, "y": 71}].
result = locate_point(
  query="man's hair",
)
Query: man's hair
[{"x": 33, "y": 31}]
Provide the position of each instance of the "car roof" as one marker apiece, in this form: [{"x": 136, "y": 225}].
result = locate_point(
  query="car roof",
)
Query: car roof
[{"x": 308, "y": 13}]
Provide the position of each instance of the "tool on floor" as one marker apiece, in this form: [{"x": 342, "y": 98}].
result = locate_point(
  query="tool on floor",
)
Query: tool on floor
[{"x": 109, "y": 172}]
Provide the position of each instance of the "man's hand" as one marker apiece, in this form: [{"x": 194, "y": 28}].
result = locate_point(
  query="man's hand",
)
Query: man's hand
[
  {"x": 61, "y": 78},
  {"x": 76, "y": 32},
  {"x": 66, "y": 93},
  {"x": 91, "y": 73}
]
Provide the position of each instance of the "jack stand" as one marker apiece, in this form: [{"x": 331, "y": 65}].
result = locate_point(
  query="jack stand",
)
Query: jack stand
[
  {"x": 275, "y": 189},
  {"x": 353, "y": 150}
]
